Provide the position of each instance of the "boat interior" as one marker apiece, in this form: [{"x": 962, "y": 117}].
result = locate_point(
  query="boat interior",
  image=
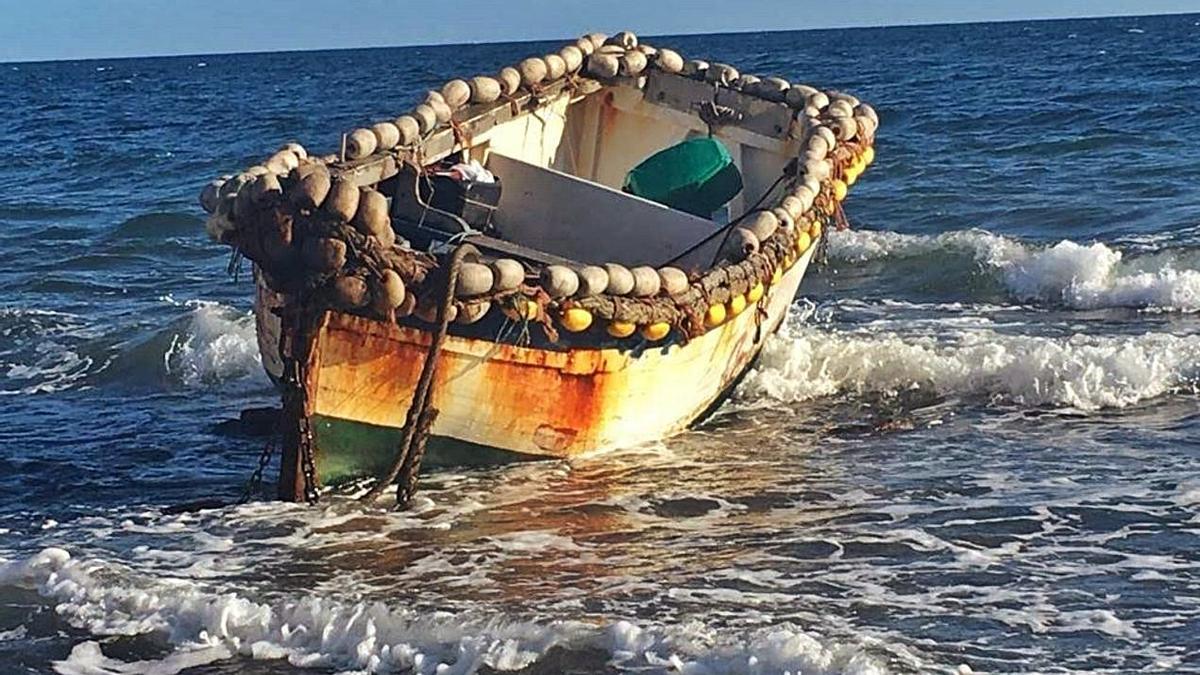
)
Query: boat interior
[{"x": 562, "y": 166}]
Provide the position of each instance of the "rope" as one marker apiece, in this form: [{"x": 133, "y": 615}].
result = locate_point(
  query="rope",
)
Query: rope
[
  {"x": 407, "y": 463},
  {"x": 728, "y": 227}
]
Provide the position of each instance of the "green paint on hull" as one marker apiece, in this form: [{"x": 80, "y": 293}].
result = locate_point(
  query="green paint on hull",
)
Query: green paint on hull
[{"x": 348, "y": 450}]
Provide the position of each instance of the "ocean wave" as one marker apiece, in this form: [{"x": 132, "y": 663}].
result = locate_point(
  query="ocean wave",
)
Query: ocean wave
[
  {"x": 207, "y": 627},
  {"x": 217, "y": 344},
  {"x": 49, "y": 351},
  {"x": 1081, "y": 371},
  {"x": 44, "y": 351},
  {"x": 1077, "y": 276}
]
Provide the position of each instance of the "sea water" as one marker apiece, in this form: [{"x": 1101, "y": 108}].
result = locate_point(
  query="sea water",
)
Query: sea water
[{"x": 974, "y": 447}]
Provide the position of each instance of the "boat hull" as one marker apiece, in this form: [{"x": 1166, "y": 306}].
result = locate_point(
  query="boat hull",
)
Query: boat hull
[{"x": 502, "y": 400}]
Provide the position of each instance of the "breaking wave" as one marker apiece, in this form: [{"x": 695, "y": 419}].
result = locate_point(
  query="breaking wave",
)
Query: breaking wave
[
  {"x": 1069, "y": 274},
  {"x": 1087, "y": 372},
  {"x": 205, "y": 627},
  {"x": 217, "y": 344}
]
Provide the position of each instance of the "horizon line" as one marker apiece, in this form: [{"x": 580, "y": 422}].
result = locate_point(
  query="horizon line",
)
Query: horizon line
[{"x": 414, "y": 45}]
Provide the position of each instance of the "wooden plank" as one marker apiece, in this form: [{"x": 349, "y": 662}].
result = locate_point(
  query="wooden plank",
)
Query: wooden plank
[{"x": 368, "y": 170}]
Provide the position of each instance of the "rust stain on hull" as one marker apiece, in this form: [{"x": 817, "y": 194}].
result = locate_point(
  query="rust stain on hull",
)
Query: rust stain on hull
[{"x": 541, "y": 402}]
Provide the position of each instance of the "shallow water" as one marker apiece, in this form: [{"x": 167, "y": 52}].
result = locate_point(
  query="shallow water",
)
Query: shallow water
[{"x": 973, "y": 446}]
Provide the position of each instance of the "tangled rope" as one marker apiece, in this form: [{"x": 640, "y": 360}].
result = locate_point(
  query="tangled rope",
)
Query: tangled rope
[{"x": 421, "y": 415}]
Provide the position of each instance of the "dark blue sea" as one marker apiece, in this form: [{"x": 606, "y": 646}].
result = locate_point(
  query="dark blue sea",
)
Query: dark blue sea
[{"x": 975, "y": 448}]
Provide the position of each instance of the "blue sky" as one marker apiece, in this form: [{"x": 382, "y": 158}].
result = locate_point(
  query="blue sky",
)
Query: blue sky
[{"x": 75, "y": 29}]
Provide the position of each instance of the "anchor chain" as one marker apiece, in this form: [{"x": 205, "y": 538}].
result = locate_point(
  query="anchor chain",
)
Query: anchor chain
[
  {"x": 255, "y": 483},
  {"x": 297, "y": 405},
  {"x": 295, "y": 344},
  {"x": 307, "y": 465}
]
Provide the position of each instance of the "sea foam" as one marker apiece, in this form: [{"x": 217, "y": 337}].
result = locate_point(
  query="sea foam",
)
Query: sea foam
[
  {"x": 1081, "y": 371},
  {"x": 205, "y": 627}
]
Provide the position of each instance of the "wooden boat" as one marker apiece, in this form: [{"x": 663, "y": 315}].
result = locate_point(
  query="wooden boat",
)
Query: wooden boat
[{"x": 583, "y": 317}]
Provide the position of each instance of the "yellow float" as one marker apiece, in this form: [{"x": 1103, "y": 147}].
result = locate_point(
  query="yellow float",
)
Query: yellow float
[
  {"x": 523, "y": 310},
  {"x": 737, "y": 304},
  {"x": 839, "y": 190},
  {"x": 656, "y": 331},
  {"x": 755, "y": 294},
  {"x": 715, "y": 316},
  {"x": 621, "y": 329},
  {"x": 803, "y": 241},
  {"x": 576, "y": 319},
  {"x": 853, "y": 172}
]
